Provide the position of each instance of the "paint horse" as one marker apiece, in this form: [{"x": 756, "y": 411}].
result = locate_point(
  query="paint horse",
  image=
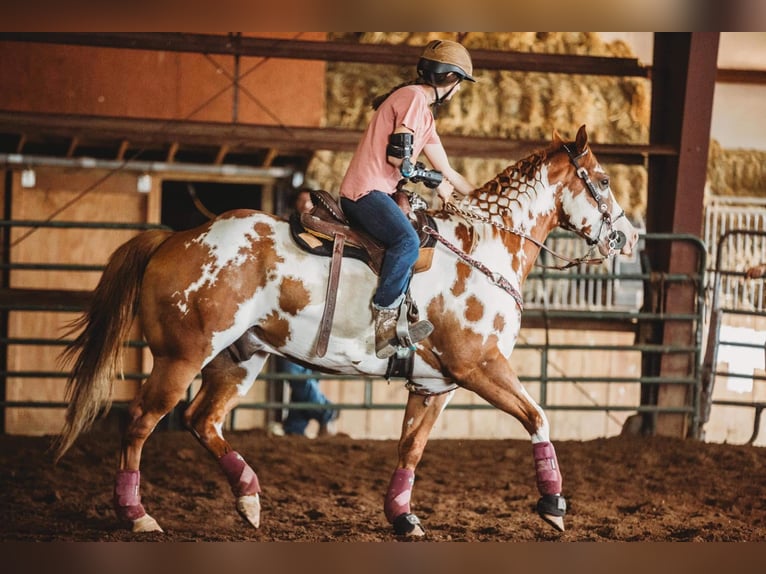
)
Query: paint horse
[{"x": 220, "y": 298}]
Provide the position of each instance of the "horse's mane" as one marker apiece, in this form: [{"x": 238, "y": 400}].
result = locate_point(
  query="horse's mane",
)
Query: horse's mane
[{"x": 520, "y": 176}]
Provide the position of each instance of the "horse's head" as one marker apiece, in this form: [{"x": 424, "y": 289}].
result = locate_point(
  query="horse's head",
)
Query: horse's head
[{"x": 585, "y": 202}]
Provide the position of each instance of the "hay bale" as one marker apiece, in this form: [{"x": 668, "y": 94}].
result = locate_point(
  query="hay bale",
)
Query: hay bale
[
  {"x": 738, "y": 172},
  {"x": 523, "y": 105}
]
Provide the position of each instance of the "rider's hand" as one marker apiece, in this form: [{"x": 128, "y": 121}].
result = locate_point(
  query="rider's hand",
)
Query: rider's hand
[
  {"x": 445, "y": 191},
  {"x": 755, "y": 272}
]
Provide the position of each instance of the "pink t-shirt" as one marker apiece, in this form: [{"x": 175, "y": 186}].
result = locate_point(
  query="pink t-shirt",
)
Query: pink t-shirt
[{"x": 369, "y": 169}]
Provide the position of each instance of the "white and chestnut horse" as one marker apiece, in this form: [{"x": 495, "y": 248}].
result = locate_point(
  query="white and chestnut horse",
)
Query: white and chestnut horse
[{"x": 222, "y": 297}]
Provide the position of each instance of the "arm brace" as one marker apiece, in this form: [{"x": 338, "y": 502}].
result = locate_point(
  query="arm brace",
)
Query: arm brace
[{"x": 400, "y": 146}]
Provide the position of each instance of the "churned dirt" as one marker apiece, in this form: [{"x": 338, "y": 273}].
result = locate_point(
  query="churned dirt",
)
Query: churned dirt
[{"x": 332, "y": 488}]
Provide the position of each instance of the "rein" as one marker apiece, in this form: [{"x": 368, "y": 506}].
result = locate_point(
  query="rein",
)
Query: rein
[
  {"x": 616, "y": 238},
  {"x": 571, "y": 262},
  {"x": 494, "y": 277}
]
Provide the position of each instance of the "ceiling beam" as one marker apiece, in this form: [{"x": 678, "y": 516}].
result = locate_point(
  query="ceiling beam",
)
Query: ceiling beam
[
  {"x": 397, "y": 54},
  {"x": 150, "y": 133}
]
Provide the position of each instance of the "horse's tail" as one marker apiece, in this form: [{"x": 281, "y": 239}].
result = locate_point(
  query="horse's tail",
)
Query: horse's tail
[{"x": 97, "y": 350}]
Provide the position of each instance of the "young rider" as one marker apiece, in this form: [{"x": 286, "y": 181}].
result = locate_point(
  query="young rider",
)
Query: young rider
[{"x": 400, "y": 129}]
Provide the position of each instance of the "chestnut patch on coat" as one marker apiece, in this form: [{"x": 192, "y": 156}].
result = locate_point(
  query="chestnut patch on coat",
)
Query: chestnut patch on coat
[
  {"x": 466, "y": 236},
  {"x": 274, "y": 329},
  {"x": 293, "y": 295},
  {"x": 457, "y": 348},
  {"x": 474, "y": 309},
  {"x": 462, "y": 270}
]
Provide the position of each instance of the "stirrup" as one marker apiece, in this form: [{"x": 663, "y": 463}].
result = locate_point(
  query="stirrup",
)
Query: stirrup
[
  {"x": 415, "y": 333},
  {"x": 410, "y": 333},
  {"x": 406, "y": 333}
]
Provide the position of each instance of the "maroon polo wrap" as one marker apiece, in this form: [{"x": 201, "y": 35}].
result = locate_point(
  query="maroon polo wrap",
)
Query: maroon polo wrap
[
  {"x": 242, "y": 478},
  {"x": 127, "y": 500},
  {"x": 547, "y": 468},
  {"x": 399, "y": 492}
]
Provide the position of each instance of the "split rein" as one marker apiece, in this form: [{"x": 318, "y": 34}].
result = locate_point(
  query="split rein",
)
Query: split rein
[
  {"x": 494, "y": 277},
  {"x": 571, "y": 262}
]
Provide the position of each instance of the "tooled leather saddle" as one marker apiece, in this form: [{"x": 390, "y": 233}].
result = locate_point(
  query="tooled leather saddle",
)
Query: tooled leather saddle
[{"x": 326, "y": 231}]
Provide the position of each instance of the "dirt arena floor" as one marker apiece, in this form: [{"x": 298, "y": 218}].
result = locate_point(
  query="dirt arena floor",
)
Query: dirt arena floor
[{"x": 331, "y": 489}]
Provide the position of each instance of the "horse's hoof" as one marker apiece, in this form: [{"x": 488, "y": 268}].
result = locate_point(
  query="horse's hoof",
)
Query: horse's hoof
[
  {"x": 146, "y": 524},
  {"x": 556, "y": 521},
  {"x": 408, "y": 524},
  {"x": 552, "y": 508},
  {"x": 249, "y": 506}
]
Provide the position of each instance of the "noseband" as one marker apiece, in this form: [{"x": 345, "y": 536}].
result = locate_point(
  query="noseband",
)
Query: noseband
[{"x": 617, "y": 239}]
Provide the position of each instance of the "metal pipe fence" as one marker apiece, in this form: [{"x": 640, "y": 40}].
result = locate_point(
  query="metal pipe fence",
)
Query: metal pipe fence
[
  {"x": 608, "y": 299},
  {"x": 734, "y": 298}
]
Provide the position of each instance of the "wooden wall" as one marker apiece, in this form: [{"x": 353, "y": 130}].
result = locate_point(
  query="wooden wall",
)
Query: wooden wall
[
  {"x": 125, "y": 83},
  {"x": 115, "y": 200},
  {"x": 167, "y": 85}
]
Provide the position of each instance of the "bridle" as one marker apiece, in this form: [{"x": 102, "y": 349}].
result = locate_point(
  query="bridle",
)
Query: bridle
[{"x": 616, "y": 238}]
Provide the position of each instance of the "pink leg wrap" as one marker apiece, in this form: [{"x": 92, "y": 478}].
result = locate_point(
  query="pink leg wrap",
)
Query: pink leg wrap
[
  {"x": 242, "y": 478},
  {"x": 127, "y": 500},
  {"x": 547, "y": 468},
  {"x": 399, "y": 492}
]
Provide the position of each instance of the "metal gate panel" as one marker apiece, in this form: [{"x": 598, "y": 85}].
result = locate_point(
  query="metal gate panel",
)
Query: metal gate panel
[
  {"x": 735, "y": 361},
  {"x": 578, "y": 378}
]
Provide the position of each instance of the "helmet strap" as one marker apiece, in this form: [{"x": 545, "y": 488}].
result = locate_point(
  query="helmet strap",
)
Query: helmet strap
[{"x": 440, "y": 101}]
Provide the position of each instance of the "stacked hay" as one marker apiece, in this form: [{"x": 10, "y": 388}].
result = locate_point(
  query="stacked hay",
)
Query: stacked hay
[
  {"x": 736, "y": 171},
  {"x": 517, "y": 105},
  {"x": 522, "y": 106}
]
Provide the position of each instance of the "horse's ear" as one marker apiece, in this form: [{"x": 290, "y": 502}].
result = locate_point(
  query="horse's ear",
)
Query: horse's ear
[
  {"x": 582, "y": 139},
  {"x": 557, "y": 139}
]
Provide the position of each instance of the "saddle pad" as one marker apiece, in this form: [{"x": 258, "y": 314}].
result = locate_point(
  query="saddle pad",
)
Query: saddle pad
[
  {"x": 323, "y": 246},
  {"x": 319, "y": 245}
]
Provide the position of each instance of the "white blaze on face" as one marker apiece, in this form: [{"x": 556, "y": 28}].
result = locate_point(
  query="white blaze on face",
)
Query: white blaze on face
[{"x": 581, "y": 211}]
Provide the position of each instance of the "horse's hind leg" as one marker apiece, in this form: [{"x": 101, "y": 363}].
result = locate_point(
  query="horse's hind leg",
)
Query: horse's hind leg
[
  {"x": 224, "y": 380},
  {"x": 162, "y": 390},
  {"x": 419, "y": 418}
]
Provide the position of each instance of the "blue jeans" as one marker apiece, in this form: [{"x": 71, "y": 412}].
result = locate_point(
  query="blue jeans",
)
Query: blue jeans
[
  {"x": 379, "y": 215},
  {"x": 303, "y": 391}
]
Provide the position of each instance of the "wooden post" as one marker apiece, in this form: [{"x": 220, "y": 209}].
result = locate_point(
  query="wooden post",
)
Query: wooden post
[{"x": 683, "y": 83}]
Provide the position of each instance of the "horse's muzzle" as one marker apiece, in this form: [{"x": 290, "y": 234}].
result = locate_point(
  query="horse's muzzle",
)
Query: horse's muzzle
[{"x": 617, "y": 240}]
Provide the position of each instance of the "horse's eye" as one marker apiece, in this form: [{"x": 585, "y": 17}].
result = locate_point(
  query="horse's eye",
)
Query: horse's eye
[{"x": 604, "y": 183}]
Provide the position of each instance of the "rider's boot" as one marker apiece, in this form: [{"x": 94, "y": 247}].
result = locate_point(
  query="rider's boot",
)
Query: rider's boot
[{"x": 387, "y": 340}]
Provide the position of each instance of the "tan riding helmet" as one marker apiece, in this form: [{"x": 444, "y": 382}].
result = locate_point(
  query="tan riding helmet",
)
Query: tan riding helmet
[{"x": 443, "y": 56}]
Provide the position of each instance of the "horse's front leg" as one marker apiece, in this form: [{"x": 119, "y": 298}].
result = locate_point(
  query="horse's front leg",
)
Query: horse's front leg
[
  {"x": 419, "y": 418},
  {"x": 497, "y": 383}
]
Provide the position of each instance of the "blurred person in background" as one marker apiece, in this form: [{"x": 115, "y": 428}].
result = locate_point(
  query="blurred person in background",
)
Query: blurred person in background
[{"x": 304, "y": 389}]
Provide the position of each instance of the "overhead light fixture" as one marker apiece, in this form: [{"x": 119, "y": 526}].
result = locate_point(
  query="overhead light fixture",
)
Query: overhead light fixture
[
  {"x": 28, "y": 178},
  {"x": 144, "y": 183}
]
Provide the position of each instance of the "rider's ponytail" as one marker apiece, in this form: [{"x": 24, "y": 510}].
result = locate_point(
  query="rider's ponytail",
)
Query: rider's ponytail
[
  {"x": 427, "y": 79},
  {"x": 378, "y": 100}
]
